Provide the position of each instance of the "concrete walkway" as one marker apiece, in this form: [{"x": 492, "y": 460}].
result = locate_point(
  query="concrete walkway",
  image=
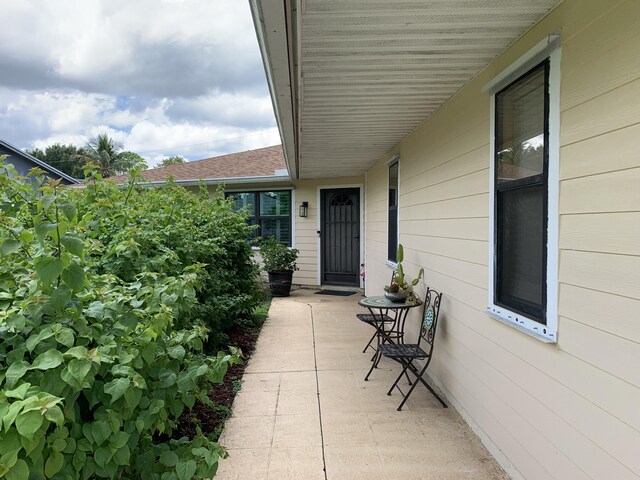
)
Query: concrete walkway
[{"x": 305, "y": 413}]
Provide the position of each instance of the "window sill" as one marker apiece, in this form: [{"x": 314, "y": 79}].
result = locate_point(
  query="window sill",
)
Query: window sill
[
  {"x": 551, "y": 337},
  {"x": 392, "y": 264}
]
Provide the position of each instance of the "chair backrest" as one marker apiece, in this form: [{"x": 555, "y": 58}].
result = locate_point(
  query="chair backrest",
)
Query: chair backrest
[{"x": 430, "y": 313}]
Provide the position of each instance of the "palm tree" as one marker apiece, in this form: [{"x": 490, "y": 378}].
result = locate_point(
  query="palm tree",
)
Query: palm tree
[{"x": 107, "y": 154}]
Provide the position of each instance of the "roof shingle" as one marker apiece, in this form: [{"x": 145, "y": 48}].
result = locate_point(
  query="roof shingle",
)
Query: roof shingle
[{"x": 262, "y": 162}]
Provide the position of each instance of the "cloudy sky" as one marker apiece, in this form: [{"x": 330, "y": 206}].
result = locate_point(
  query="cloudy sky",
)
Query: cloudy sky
[{"x": 163, "y": 77}]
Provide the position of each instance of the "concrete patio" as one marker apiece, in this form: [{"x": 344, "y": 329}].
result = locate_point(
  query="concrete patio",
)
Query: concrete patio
[{"x": 305, "y": 413}]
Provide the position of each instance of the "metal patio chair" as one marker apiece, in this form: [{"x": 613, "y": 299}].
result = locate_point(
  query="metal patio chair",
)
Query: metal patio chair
[
  {"x": 407, "y": 354},
  {"x": 369, "y": 319}
]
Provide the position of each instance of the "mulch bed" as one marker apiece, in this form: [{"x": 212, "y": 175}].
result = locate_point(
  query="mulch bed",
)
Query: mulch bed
[{"x": 211, "y": 419}]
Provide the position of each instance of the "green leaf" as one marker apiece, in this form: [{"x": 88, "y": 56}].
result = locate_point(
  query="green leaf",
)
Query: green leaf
[
  {"x": 54, "y": 463},
  {"x": 20, "y": 471},
  {"x": 46, "y": 201},
  {"x": 118, "y": 440},
  {"x": 18, "y": 392},
  {"x": 100, "y": 431},
  {"x": 69, "y": 210},
  {"x": 176, "y": 352},
  {"x": 28, "y": 423},
  {"x": 9, "y": 246},
  {"x": 122, "y": 455},
  {"x": 48, "y": 268},
  {"x": 47, "y": 360},
  {"x": 59, "y": 445},
  {"x": 72, "y": 244},
  {"x": 168, "y": 458},
  {"x": 55, "y": 415},
  {"x": 65, "y": 337},
  {"x": 117, "y": 387},
  {"x": 102, "y": 456},
  {"x": 15, "y": 372},
  {"x": 186, "y": 469},
  {"x": 74, "y": 276},
  {"x": 77, "y": 352},
  {"x": 43, "y": 228},
  {"x": 75, "y": 373},
  {"x": 9, "y": 459},
  {"x": 33, "y": 341}
]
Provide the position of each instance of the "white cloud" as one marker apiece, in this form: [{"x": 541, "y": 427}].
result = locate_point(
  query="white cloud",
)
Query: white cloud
[{"x": 168, "y": 77}]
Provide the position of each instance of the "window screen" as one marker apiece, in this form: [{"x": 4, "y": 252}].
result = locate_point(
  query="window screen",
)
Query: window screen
[
  {"x": 521, "y": 146},
  {"x": 393, "y": 213}
]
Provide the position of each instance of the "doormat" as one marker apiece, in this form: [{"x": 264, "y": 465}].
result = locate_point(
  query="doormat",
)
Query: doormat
[{"x": 338, "y": 293}]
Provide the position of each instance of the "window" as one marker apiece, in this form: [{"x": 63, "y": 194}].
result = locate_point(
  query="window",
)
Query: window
[
  {"x": 271, "y": 211},
  {"x": 392, "y": 229},
  {"x": 523, "y": 264}
]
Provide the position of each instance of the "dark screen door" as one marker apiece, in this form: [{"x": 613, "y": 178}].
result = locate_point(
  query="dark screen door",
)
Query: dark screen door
[{"x": 340, "y": 236}]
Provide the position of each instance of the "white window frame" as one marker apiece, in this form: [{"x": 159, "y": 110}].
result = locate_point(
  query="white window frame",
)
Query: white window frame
[
  {"x": 395, "y": 159},
  {"x": 548, "y": 48}
]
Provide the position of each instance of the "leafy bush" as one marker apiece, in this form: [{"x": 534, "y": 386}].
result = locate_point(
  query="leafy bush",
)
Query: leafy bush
[
  {"x": 105, "y": 299},
  {"x": 278, "y": 257}
]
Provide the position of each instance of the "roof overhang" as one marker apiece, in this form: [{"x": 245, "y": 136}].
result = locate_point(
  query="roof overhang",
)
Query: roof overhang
[
  {"x": 350, "y": 79},
  {"x": 226, "y": 180}
]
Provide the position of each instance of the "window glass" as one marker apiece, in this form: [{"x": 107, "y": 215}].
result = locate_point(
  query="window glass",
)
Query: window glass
[
  {"x": 520, "y": 128},
  {"x": 275, "y": 203},
  {"x": 392, "y": 229},
  {"x": 271, "y": 211},
  {"x": 245, "y": 200},
  {"x": 521, "y": 195}
]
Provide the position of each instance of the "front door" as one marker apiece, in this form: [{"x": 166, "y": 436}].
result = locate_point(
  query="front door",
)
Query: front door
[{"x": 340, "y": 236}]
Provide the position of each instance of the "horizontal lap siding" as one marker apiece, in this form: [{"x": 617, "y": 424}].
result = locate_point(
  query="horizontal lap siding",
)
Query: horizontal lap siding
[{"x": 568, "y": 410}]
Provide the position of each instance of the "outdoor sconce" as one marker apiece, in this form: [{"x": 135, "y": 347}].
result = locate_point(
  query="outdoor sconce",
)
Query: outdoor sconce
[{"x": 304, "y": 208}]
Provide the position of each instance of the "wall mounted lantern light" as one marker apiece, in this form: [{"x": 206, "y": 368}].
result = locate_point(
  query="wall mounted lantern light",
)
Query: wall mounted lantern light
[{"x": 304, "y": 209}]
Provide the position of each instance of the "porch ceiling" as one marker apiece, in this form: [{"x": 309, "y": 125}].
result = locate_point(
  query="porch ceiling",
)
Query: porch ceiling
[{"x": 359, "y": 76}]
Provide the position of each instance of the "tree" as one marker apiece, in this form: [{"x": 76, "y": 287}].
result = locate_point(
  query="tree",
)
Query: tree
[
  {"x": 61, "y": 157},
  {"x": 175, "y": 160},
  {"x": 128, "y": 160},
  {"x": 107, "y": 154}
]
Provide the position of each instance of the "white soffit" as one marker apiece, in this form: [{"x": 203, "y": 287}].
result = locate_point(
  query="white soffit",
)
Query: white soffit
[{"x": 370, "y": 71}]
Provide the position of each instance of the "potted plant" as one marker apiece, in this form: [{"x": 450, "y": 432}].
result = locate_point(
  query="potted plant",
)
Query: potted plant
[
  {"x": 279, "y": 261},
  {"x": 401, "y": 288}
]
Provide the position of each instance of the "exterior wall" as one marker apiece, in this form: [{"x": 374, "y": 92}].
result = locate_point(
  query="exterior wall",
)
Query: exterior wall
[
  {"x": 304, "y": 229},
  {"x": 567, "y": 410}
]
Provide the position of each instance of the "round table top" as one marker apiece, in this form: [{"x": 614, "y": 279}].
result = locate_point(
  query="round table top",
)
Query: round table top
[{"x": 383, "y": 302}]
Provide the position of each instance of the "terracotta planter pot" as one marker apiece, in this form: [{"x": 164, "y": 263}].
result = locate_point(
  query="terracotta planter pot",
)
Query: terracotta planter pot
[{"x": 280, "y": 283}]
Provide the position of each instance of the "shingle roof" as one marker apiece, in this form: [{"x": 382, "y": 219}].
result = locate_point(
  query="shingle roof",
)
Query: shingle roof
[{"x": 262, "y": 162}]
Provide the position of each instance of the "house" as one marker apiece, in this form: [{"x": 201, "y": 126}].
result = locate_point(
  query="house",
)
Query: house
[
  {"x": 23, "y": 163},
  {"x": 498, "y": 142}
]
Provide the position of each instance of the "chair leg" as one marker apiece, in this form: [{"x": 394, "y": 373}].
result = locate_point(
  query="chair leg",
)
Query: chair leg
[
  {"x": 376, "y": 359},
  {"x": 403, "y": 372},
  {"x": 373, "y": 337},
  {"x": 419, "y": 375}
]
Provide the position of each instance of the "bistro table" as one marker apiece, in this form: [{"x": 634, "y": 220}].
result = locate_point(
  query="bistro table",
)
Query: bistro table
[{"x": 395, "y": 334}]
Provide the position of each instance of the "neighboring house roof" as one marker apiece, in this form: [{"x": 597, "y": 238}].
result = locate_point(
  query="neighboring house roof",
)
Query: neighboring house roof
[
  {"x": 263, "y": 163},
  {"x": 53, "y": 172}
]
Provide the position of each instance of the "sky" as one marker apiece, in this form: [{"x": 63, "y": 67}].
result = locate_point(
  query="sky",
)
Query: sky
[{"x": 162, "y": 77}]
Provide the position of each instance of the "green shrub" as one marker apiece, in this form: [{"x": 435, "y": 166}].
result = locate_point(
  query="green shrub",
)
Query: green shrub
[
  {"x": 278, "y": 257},
  {"x": 105, "y": 307}
]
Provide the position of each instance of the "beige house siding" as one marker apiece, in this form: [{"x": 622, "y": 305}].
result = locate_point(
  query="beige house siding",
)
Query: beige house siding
[{"x": 568, "y": 410}]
